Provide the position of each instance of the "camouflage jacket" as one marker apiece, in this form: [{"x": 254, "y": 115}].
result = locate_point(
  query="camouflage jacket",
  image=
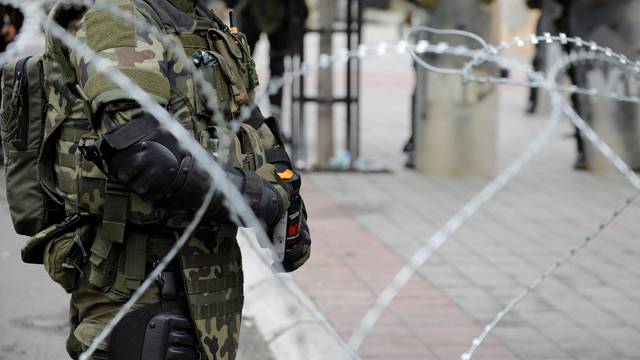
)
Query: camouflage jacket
[{"x": 84, "y": 104}]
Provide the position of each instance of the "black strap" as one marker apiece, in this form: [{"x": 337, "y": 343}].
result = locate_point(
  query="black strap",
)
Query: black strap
[
  {"x": 278, "y": 156},
  {"x": 256, "y": 120},
  {"x": 130, "y": 133}
]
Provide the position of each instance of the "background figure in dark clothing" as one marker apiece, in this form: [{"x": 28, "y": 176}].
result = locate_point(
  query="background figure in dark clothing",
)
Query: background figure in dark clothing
[
  {"x": 549, "y": 12},
  {"x": 555, "y": 19},
  {"x": 418, "y": 15},
  {"x": 11, "y": 23},
  {"x": 9, "y": 28},
  {"x": 283, "y": 23}
]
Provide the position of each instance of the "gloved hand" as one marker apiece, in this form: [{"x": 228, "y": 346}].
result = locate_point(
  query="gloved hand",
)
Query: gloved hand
[
  {"x": 149, "y": 161},
  {"x": 298, "y": 252}
]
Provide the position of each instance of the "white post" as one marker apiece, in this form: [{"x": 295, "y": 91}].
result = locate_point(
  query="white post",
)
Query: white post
[{"x": 456, "y": 131}]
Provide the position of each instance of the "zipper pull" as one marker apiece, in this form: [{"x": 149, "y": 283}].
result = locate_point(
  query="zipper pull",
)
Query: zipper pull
[{"x": 17, "y": 86}]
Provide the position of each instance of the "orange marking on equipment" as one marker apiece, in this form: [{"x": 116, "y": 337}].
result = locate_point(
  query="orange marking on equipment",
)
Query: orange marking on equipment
[{"x": 286, "y": 175}]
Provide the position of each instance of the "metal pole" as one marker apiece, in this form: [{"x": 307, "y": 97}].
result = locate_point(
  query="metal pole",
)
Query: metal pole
[
  {"x": 348, "y": 105},
  {"x": 356, "y": 104},
  {"x": 325, "y": 86}
]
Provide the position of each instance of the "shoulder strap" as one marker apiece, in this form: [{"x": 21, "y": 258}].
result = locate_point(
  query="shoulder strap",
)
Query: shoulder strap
[
  {"x": 148, "y": 12},
  {"x": 166, "y": 15},
  {"x": 203, "y": 11}
]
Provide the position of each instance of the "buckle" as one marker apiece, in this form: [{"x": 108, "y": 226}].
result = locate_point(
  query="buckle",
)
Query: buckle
[{"x": 91, "y": 151}]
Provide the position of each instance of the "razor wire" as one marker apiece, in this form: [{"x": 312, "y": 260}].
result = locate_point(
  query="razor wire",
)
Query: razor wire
[
  {"x": 441, "y": 236},
  {"x": 325, "y": 60},
  {"x": 552, "y": 269},
  {"x": 453, "y": 224},
  {"x": 491, "y": 53},
  {"x": 620, "y": 165}
]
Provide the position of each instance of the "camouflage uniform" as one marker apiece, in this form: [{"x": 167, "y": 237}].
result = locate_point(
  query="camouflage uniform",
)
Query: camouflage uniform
[{"x": 127, "y": 234}]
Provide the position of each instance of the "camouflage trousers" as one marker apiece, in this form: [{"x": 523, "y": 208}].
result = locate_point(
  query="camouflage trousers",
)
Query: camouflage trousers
[{"x": 211, "y": 269}]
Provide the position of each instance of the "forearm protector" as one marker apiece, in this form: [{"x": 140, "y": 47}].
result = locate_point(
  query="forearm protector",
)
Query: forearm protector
[{"x": 149, "y": 161}]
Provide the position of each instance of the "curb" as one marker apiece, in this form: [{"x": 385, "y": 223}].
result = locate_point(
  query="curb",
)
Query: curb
[{"x": 291, "y": 327}]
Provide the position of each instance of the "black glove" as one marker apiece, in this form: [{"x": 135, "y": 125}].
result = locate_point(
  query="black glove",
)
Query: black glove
[{"x": 149, "y": 161}]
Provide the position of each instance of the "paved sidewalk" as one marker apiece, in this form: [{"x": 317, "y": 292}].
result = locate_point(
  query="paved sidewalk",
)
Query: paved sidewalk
[
  {"x": 366, "y": 226},
  {"x": 351, "y": 266}
]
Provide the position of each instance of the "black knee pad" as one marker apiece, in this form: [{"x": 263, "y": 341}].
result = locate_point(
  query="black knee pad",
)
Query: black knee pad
[{"x": 161, "y": 331}]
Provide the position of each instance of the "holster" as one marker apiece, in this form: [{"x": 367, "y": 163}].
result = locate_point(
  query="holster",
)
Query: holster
[{"x": 162, "y": 331}]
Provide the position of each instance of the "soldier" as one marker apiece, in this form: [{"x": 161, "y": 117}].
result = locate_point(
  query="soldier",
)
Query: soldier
[
  {"x": 129, "y": 190},
  {"x": 548, "y": 21},
  {"x": 283, "y": 23}
]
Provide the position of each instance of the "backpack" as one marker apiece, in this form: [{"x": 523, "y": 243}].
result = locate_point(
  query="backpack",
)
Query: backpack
[{"x": 22, "y": 116}]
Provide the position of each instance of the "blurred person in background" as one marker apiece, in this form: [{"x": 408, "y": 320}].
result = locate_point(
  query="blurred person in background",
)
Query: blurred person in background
[
  {"x": 614, "y": 24},
  {"x": 417, "y": 15},
  {"x": 283, "y": 23},
  {"x": 11, "y": 23},
  {"x": 550, "y": 11},
  {"x": 555, "y": 19}
]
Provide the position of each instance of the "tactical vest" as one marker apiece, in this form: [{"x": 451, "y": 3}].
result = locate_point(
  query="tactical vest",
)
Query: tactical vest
[{"x": 84, "y": 189}]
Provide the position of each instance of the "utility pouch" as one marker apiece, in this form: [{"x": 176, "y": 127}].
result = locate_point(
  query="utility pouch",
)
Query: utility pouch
[
  {"x": 103, "y": 271},
  {"x": 224, "y": 145},
  {"x": 253, "y": 153},
  {"x": 108, "y": 244},
  {"x": 247, "y": 65},
  {"x": 217, "y": 72},
  {"x": 235, "y": 49},
  {"x": 233, "y": 52},
  {"x": 62, "y": 248},
  {"x": 65, "y": 256}
]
